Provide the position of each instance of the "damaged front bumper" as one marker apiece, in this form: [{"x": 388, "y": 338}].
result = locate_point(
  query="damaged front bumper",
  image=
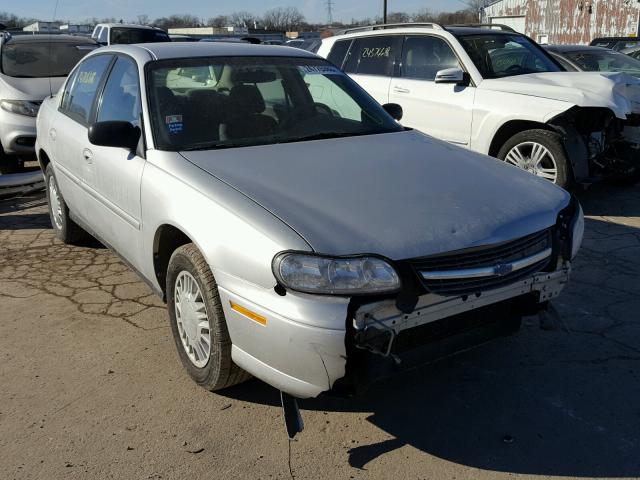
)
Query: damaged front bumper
[{"x": 377, "y": 325}]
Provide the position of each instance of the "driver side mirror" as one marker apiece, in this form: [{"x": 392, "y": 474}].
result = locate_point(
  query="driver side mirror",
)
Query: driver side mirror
[
  {"x": 457, "y": 76},
  {"x": 394, "y": 110},
  {"x": 115, "y": 134}
]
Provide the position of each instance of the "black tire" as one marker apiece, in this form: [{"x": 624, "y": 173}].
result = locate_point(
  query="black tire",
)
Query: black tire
[
  {"x": 552, "y": 142},
  {"x": 67, "y": 230},
  {"x": 220, "y": 371}
]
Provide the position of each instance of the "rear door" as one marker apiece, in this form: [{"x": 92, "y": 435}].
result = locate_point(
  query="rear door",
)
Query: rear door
[
  {"x": 441, "y": 110},
  {"x": 371, "y": 62},
  {"x": 68, "y": 134},
  {"x": 114, "y": 174}
]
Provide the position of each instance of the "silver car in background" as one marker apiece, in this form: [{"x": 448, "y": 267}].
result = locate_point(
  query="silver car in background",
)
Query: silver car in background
[
  {"x": 297, "y": 232},
  {"x": 31, "y": 68}
]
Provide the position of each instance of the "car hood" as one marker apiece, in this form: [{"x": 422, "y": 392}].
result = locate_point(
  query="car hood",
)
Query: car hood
[
  {"x": 400, "y": 195},
  {"x": 12, "y": 88},
  {"x": 618, "y": 91}
]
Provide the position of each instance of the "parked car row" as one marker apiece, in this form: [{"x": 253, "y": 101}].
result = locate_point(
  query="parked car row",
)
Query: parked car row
[{"x": 297, "y": 231}]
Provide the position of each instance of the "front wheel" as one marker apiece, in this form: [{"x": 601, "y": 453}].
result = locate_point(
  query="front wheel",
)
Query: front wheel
[
  {"x": 539, "y": 152},
  {"x": 197, "y": 321}
]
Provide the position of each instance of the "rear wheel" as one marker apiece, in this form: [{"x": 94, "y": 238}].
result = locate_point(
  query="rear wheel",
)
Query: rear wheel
[
  {"x": 197, "y": 321},
  {"x": 539, "y": 152},
  {"x": 65, "y": 229}
]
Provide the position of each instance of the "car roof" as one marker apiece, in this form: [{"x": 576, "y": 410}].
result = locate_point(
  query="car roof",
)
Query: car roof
[
  {"x": 168, "y": 50},
  {"x": 575, "y": 48},
  {"x": 479, "y": 31},
  {"x": 127, "y": 25},
  {"x": 40, "y": 38},
  {"x": 616, "y": 38},
  {"x": 404, "y": 29}
]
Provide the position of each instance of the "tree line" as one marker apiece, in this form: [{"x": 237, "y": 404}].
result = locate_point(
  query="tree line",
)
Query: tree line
[{"x": 282, "y": 19}]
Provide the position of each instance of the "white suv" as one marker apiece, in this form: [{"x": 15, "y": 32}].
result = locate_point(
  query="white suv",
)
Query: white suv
[
  {"x": 498, "y": 92},
  {"x": 121, "y": 33}
]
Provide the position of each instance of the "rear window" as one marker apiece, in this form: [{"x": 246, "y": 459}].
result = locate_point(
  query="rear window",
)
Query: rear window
[
  {"x": 39, "y": 60},
  {"x": 137, "y": 35},
  {"x": 373, "y": 55}
]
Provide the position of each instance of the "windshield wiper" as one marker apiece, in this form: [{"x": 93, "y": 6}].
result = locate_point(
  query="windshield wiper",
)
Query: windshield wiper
[{"x": 325, "y": 136}]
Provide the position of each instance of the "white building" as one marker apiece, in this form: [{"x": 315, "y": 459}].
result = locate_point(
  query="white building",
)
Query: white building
[
  {"x": 43, "y": 27},
  {"x": 70, "y": 28}
]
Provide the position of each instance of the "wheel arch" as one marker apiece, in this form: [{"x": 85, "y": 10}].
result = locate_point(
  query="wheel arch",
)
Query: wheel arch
[
  {"x": 511, "y": 128},
  {"x": 43, "y": 160},
  {"x": 166, "y": 240}
]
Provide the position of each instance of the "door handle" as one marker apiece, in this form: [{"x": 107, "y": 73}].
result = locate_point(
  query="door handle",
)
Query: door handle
[
  {"x": 53, "y": 134},
  {"x": 398, "y": 89},
  {"x": 88, "y": 155}
]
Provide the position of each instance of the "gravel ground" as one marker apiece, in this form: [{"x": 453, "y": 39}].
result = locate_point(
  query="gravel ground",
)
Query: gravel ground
[{"x": 91, "y": 386}]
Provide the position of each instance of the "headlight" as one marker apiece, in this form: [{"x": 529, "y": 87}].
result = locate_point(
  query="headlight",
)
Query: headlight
[
  {"x": 20, "y": 107},
  {"x": 359, "y": 275},
  {"x": 577, "y": 232}
]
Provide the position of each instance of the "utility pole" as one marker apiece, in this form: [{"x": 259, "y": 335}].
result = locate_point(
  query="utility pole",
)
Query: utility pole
[
  {"x": 329, "y": 4},
  {"x": 384, "y": 12}
]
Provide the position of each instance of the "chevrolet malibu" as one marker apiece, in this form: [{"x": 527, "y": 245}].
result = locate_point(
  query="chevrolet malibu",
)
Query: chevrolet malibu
[{"x": 296, "y": 231}]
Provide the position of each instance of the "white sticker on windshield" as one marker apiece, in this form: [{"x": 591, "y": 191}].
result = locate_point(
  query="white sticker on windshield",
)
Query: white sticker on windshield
[{"x": 320, "y": 70}]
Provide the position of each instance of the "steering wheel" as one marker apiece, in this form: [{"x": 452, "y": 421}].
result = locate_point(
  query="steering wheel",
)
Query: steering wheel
[
  {"x": 514, "y": 69},
  {"x": 324, "y": 109}
]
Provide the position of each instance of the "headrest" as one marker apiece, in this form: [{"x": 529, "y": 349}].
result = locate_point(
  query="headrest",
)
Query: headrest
[{"x": 246, "y": 99}]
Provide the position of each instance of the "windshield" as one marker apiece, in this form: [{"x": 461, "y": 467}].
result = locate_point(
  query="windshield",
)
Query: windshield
[
  {"x": 223, "y": 102},
  {"x": 503, "y": 55},
  {"x": 604, "y": 61},
  {"x": 39, "y": 60},
  {"x": 126, "y": 35}
]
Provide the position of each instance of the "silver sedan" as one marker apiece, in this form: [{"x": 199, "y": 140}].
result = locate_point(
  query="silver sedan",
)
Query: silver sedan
[{"x": 296, "y": 230}]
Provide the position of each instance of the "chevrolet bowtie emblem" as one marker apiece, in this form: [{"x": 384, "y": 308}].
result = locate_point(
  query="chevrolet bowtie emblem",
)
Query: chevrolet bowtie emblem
[{"x": 502, "y": 269}]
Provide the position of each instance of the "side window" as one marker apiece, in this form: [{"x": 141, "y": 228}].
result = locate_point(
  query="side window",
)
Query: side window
[
  {"x": 373, "y": 55},
  {"x": 103, "y": 36},
  {"x": 338, "y": 52},
  {"x": 96, "y": 33},
  {"x": 121, "y": 97},
  {"x": 78, "y": 100},
  {"x": 424, "y": 56}
]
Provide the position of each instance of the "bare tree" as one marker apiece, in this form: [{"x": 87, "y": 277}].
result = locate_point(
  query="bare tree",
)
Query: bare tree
[
  {"x": 243, "y": 19},
  {"x": 424, "y": 15},
  {"x": 398, "y": 17},
  {"x": 289, "y": 18},
  {"x": 177, "y": 21},
  {"x": 143, "y": 19},
  {"x": 219, "y": 21}
]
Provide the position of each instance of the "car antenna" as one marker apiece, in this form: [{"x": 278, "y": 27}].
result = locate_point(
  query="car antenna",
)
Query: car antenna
[{"x": 55, "y": 12}]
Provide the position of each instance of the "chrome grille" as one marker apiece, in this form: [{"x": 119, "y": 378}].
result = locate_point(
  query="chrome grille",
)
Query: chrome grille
[{"x": 485, "y": 268}]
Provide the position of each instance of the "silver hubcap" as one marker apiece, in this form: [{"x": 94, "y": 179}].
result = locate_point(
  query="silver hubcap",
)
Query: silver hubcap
[
  {"x": 535, "y": 158},
  {"x": 55, "y": 203},
  {"x": 192, "y": 319}
]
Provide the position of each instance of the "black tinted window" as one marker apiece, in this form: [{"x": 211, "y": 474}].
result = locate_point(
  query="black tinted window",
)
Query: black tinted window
[
  {"x": 137, "y": 35},
  {"x": 82, "y": 87},
  {"x": 424, "y": 56},
  {"x": 373, "y": 56},
  {"x": 121, "y": 97},
  {"x": 38, "y": 60},
  {"x": 338, "y": 52}
]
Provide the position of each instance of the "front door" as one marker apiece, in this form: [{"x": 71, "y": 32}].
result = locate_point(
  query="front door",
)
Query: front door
[
  {"x": 114, "y": 174},
  {"x": 441, "y": 110}
]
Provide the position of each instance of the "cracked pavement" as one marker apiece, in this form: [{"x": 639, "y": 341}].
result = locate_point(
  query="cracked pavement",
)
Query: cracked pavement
[{"x": 91, "y": 385}]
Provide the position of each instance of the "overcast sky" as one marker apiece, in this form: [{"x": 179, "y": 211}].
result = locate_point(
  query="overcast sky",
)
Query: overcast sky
[{"x": 314, "y": 10}]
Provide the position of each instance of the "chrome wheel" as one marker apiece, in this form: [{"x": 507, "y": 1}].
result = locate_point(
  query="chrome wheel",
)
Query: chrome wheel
[
  {"x": 534, "y": 158},
  {"x": 192, "y": 319},
  {"x": 55, "y": 203}
]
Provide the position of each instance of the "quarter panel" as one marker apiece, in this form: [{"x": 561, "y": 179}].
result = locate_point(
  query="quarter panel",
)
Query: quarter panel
[{"x": 492, "y": 109}]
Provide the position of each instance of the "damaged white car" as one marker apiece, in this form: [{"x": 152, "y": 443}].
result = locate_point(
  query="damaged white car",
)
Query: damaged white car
[
  {"x": 297, "y": 232},
  {"x": 497, "y": 92}
]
